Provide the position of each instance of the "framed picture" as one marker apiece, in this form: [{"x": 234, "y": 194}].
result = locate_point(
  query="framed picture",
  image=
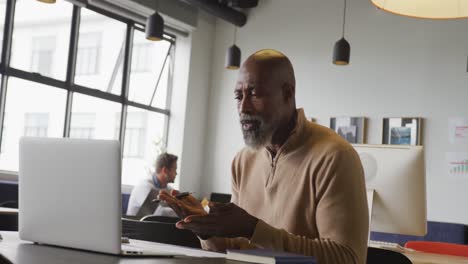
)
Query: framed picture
[
  {"x": 353, "y": 129},
  {"x": 402, "y": 131}
]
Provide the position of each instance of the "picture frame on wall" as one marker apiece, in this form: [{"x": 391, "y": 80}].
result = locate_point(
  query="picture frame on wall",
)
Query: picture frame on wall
[
  {"x": 353, "y": 129},
  {"x": 402, "y": 131}
]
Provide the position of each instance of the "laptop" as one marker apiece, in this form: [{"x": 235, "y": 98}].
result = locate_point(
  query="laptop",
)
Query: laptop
[{"x": 70, "y": 196}]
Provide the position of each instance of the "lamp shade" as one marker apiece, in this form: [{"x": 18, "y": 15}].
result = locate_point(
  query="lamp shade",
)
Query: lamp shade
[
  {"x": 431, "y": 9},
  {"x": 47, "y": 1},
  {"x": 154, "y": 27},
  {"x": 341, "y": 52},
  {"x": 233, "y": 58}
]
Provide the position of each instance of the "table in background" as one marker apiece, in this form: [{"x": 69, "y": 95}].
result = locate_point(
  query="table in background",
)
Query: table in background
[{"x": 8, "y": 211}]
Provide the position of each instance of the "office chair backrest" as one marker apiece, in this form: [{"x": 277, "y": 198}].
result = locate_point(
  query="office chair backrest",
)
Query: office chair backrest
[
  {"x": 4, "y": 260},
  {"x": 159, "y": 231},
  {"x": 383, "y": 256},
  {"x": 9, "y": 204},
  {"x": 220, "y": 197}
]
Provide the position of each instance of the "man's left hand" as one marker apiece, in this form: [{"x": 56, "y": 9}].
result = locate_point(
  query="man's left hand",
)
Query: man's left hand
[{"x": 224, "y": 220}]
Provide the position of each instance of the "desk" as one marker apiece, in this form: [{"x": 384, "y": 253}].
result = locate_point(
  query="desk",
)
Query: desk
[{"x": 23, "y": 252}]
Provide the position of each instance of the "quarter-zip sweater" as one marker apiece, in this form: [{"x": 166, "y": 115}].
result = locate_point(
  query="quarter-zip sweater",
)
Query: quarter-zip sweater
[{"x": 310, "y": 198}]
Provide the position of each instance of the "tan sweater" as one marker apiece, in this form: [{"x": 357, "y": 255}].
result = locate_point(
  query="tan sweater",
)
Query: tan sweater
[{"x": 310, "y": 198}]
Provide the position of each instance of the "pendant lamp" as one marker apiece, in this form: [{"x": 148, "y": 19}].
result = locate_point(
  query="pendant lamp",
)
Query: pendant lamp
[
  {"x": 342, "y": 49},
  {"x": 434, "y": 9},
  {"x": 154, "y": 26},
  {"x": 233, "y": 55}
]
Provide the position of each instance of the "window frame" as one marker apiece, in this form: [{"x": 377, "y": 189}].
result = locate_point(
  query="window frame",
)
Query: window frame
[{"x": 69, "y": 85}]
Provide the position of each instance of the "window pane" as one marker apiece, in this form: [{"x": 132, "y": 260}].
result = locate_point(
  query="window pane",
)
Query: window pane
[
  {"x": 94, "y": 118},
  {"x": 89, "y": 51},
  {"x": 144, "y": 136},
  {"x": 101, "y": 39},
  {"x": 83, "y": 125},
  {"x": 41, "y": 37},
  {"x": 2, "y": 23},
  {"x": 32, "y": 109},
  {"x": 147, "y": 63}
]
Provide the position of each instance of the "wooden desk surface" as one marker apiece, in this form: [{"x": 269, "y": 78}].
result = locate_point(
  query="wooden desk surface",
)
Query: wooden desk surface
[{"x": 11, "y": 211}]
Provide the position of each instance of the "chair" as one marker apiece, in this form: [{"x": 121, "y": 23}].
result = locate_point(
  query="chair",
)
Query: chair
[
  {"x": 9, "y": 204},
  {"x": 439, "y": 248},
  {"x": 160, "y": 229},
  {"x": 220, "y": 197},
  {"x": 4, "y": 260},
  {"x": 8, "y": 222},
  {"x": 383, "y": 256}
]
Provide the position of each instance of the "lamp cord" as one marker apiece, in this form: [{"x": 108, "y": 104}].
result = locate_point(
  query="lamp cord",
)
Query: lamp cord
[
  {"x": 344, "y": 19},
  {"x": 235, "y": 33}
]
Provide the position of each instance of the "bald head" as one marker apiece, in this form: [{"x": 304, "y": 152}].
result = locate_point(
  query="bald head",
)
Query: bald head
[
  {"x": 270, "y": 64},
  {"x": 265, "y": 94}
]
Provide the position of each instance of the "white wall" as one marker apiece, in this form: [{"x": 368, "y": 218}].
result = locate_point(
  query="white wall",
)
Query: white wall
[
  {"x": 190, "y": 103},
  {"x": 399, "y": 67}
]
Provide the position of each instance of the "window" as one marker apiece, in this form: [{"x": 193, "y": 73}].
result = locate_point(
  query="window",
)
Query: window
[
  {"x": 142, "y": 57},
  {"x": 82, "y": 125},
  {"x": 36, "y": 124},
  {"x": 144, "y": 129},
  {"x": 33, "y": 109},
  {"x": 135, "y": 134},
  {"x": 107, "y": 78},
  {"x": 103, "y": 121},
  {"x": 2, "y": 19},
  {"x": 42, "y": 55},
  {"x": 147, "y": 84},
  {"x": 41, "y": 37},
  {"x": 87, "y": 62},
  {"x": 38, "y": 106}
]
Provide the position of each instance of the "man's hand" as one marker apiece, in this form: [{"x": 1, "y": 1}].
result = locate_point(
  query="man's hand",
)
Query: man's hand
[
  {"x": 183, "y": 207},
  {"x": 224, "y": 220}
]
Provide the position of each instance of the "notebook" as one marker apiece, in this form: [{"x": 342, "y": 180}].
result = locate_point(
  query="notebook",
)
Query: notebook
[{"x": 266, "y": 256}]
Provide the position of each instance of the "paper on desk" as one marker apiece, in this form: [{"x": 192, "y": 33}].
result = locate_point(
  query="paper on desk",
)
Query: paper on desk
[{"x": 178, "y": 250}]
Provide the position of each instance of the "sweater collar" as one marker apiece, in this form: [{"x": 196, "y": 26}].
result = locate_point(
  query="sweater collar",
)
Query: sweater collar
[{"x": 295, "y": 137}]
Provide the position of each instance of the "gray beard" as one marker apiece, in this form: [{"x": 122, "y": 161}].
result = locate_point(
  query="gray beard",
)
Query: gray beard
[{"x": 259, "y": 137}]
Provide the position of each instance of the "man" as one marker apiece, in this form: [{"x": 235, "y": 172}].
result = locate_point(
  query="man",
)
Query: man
[
  {"x": 140, "y": 203},
  {"x": 296, "y": 187}
]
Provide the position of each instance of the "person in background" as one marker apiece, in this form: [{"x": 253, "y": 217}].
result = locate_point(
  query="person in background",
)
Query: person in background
[
  {"x": 296, "y": 186},
  {"x": 140, "y": 203}
]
